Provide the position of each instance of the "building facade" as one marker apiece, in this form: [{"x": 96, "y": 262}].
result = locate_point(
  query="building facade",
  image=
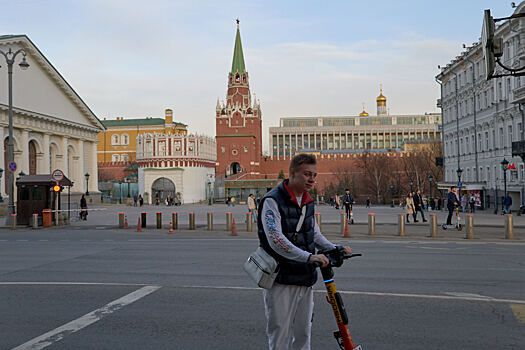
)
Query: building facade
[
  {"x": 53, "y": 127},
  {"x": 175, "y": 165},
  {"x": 481, "y": 118},
  {"x": 352, "y": 134}
]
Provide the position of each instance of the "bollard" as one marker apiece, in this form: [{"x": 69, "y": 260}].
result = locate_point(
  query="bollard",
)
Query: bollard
[
  {"x": 318, "y": 220},
  {"x": 344, "y": 224},
  {"x": 192, "y": 220},
  {"x": 175, "y": 220},
  {"x": 470, "y": 227},
  {"x": 159, "y": 219},
  {"x": 143, "y": 219},
  {"x": 249, "y": 221},
  {"x": 509, "y": 227},
  {"x": 229, "y": 221},
  {"x": 121, "y": 220},
  {"x": 401, "y": 225},
  {"x": 371, "y": 224},
  {"x": 433, "y": 226},
  {"x": 13, "y": 221},
  {"x": 35, "y": 220},
  {"x": 210, "y": 221},
  {"x": 47, "y": 218}
]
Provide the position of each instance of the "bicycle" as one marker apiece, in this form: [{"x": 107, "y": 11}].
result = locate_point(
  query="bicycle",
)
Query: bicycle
[{"x": 336, "y": 258}]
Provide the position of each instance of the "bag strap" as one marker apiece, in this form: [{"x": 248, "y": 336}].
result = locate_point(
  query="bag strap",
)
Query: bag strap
[{"x": 301, "y": 219}]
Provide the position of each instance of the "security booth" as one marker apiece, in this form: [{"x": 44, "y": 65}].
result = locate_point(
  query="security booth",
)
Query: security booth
[{"x": 35, "y": 193}]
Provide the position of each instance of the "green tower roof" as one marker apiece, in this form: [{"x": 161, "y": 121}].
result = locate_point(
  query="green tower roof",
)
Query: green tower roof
[{"x": 238, "y": 57}]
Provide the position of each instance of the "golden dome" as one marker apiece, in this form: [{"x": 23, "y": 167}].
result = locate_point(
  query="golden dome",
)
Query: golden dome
[
  {"x": 381, "y": 98},
  {"x": 363, "y": 113}
]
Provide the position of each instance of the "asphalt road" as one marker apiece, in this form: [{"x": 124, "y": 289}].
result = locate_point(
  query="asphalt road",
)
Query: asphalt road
[{"x": 111, "y": 289}]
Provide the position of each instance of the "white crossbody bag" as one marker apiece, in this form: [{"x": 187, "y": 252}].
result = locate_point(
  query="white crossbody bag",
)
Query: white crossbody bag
[{"x": 262, "y": 267}]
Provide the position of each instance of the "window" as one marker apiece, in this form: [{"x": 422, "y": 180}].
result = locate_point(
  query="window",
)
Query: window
[
  {"x": 115, "y": 158},
  {"x": 486, "y": 140},
  {"x": 245, "y": 149},
  {"x": 223, "y": 149},
  {"x": 501, "y": 138},
  {"x": 234, "y": 152},
  {"x": 124, "y": 139},
  {"x": 125, "y": 158},
  {"x": 510, "y": 136},
  {"x": 114, "y": 140}
]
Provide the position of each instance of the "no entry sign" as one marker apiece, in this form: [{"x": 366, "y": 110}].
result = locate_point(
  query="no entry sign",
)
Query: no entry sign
[{"x": 57, "y": 175}]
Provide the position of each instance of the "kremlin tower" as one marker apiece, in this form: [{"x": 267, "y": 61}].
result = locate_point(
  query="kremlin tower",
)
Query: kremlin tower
[
  {"x": 381, "y": 102},
  {"x": 238, "y": 122}
]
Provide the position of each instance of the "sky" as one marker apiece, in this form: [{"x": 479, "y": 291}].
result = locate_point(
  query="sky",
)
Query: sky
[{"x": 134, "y": 59}]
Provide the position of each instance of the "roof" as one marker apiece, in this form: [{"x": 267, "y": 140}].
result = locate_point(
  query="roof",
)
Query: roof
[
  {"x": 238, "y": 57},
  {"x": 44, "y": 62},
  {"x": 42, "y": 179},
  {"x": 137, "y": 122}
]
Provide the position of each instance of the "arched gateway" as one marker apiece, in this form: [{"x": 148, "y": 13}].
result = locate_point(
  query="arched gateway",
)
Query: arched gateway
[{"x": 162, "y": 188}]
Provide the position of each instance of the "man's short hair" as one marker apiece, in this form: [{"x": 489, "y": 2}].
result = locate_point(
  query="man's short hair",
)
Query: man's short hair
[
  {"x": 347, "y": 190},
  {"x": 300, "y": 159}
]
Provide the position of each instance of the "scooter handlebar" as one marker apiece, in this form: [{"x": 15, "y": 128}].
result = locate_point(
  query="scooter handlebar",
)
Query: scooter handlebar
[{"x": 336, "y": 257}]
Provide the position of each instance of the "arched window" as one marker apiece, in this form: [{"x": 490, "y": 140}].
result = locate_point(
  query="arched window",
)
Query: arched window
[
  {"x": 124, "y": 139},
  {"x": 32, "y": 158},
  {"x": 115, "y": 140},
  {"x": 115, "y": 158}
]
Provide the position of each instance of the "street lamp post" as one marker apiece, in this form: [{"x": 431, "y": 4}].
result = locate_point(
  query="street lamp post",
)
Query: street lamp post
[
  {"x": 1, "y": 172},
  {"x": 411, "y": 185},
  {"x": 459, "y": 171},
  {"x": 209, "y": 192},
  {"x": 504, "y": 166},
  {"x": 430, "y": 178},
  {"x": 10, "y": 57},
  {"x": 120, "y": 192},
  {"x": 392, "y": 194},
  {"x": 87, "y": 183}
]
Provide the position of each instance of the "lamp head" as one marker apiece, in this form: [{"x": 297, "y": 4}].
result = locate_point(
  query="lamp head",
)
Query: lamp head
[
  {"x": 504, "y": 163},
  {"x": 87, "y": 176},
  {"x": 24, "y": 65}
]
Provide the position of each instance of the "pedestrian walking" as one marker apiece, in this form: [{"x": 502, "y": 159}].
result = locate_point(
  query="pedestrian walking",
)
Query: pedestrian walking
[
  {"x": 141, "y": 200},
  {"x": 367, "y": 202},
  {"x": 472, "y": 203},
  {"x": 418, "y": 205},
  {"x": 507, "y": 202},
  {"x": 348, "y": 201},
  {"x": 232, "y": 201},
  {"x": 84, "y": 207},
  {"x": 452, "y": 203},
  {"x": 409, "y": 207},
  {"x": 135, "y": 199},
  {"x": 289, "y": 302},
  {"x": 252, "y": 207},
  {"x": 464, "y": 203}
]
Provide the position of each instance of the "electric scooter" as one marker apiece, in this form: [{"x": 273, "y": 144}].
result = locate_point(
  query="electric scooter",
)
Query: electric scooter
[
  {"x": 351, "y": 218},
  {"x": 458, "y": 226},
  {"x": 336, "y": 257}
]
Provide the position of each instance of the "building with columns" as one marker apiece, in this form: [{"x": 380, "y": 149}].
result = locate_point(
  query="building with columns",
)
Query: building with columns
[
  {"x": 53, "y": 127},
  {"x": 481, "y": 118}
]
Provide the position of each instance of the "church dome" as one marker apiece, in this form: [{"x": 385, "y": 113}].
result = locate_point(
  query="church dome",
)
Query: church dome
[
  {"x": 363, "y": 113},
  {"x": 381, "y": 99}
]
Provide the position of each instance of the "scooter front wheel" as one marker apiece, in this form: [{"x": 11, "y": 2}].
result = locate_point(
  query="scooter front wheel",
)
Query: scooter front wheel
[{"x": 460, "y": 227}]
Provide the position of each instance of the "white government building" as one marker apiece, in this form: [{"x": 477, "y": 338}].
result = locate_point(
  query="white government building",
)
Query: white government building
[
  {"x": 482, "y": 118},
  {"x": 53, "y": 127}
]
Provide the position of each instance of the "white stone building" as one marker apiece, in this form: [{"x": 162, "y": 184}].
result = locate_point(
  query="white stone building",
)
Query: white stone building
[
  {"x": 181, "y": 166},
  {"x": 482, "y": 118},
  {"x": 53, "y": 126}
]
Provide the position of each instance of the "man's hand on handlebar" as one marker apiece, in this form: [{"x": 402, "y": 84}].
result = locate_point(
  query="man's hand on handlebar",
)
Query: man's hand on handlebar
[{"x": 321, "y": 259}]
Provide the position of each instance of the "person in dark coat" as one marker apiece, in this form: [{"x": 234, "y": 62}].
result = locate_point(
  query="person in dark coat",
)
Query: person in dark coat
[
  {"x": 83, "y": 206},
  {"x": 452, "y": 203},
  {"x": 418, "y": 204}
]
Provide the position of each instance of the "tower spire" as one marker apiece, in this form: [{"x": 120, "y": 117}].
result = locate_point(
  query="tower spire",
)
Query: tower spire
[{"x": 238, "y": 56}]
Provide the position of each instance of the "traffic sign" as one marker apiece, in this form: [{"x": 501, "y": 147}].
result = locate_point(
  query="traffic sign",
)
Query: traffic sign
[
  {"x": 460, "y": 184},
  {"x": 12, "y": 167},
  {"x": 57, "y": 175}
]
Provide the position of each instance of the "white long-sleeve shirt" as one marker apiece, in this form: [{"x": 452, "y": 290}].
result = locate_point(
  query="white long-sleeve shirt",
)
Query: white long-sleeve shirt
[{"x": 271, "y": 221}]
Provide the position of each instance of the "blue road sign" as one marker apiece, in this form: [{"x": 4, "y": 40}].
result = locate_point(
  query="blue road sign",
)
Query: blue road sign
[
  {"x": 12, "y": 167},
  {"x": 460, "y": 184}
]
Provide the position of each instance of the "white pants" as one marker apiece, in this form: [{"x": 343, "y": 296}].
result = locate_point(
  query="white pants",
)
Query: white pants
[{"x": 289, "y": 316}]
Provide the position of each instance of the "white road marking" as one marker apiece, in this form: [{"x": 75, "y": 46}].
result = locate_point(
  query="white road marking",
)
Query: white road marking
[
  {"x": 385, "y": 294},
  {"x": 72, "y": 283},
  {"x": 59, "y": 333}
]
